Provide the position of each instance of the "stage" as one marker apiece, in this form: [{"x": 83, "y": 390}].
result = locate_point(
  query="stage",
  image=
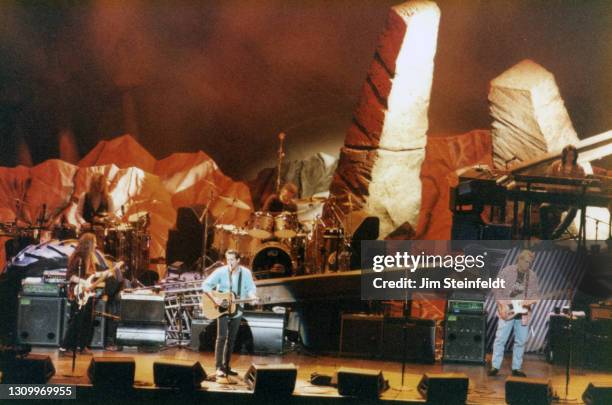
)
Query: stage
[{"x": 482, "y": 389}]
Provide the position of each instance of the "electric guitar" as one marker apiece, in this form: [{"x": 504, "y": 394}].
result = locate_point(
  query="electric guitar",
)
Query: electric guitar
[
  {"x": 229, "y": 304},
  {"x": 85, "y": 288}
]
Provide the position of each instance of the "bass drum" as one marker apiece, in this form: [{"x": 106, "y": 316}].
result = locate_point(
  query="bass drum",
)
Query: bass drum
[{"x": 271, "y": 260}]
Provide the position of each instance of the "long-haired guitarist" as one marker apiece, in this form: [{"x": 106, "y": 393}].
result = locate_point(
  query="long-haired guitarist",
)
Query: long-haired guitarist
[
  {"x": 226, "y": 284},
  {"x": 514, "y": 306},
  {"x": 83, "y": 276}
]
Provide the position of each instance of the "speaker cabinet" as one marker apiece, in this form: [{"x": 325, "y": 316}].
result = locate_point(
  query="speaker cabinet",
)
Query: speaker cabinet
[
  {"x": 532, "y": 391},
  {"x": 143, "y": 309},
  {"x": 116, "y": 373},
  {"x": 559, "y": 341},
  {"x": 464, "y": 338},
  {"x": 420, "y": 339},
  {"x": 271, "y": 379},
  {"x": 185, "y": 375},
  {"x": 39, "y": 320},
  {"x": 598, "y": 344},
  {"x": 360, "y": 383},
  {"x": 264, "y": 331},
  {"x": 445, "y": 388},
  {"x": 361, "y": 335},
  {"x": 99, "y": 324},
  {"x": 203, "y": 335},
  {"x": 597, "y": 394},
  {"x": 32, "y": 369}
]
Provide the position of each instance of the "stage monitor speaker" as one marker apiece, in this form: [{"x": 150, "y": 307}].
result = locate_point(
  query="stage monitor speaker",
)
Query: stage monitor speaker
[
  {"x": 420, "y": 339},
  {"x": 464, "y": 338},
  {"x": 271, "y": 379},
  {"x": 116, "y": 373},
  {"x": 597, "y": 394},
  {"x": 532, "y": 391},
  {"x": 97, "y": 340},
  {"x": 32, "y": 369},
  {"x": 444, "y": 388},
  {"x": 185, "y": 375},
  {"x": 361, "y": 383},
  {"x": 39, "y": 320}
]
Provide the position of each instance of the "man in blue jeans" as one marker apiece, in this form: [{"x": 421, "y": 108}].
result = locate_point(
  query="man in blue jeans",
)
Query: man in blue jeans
[
  {"x": 243, "y": 287},
  {"x": 514, "y": 306}
]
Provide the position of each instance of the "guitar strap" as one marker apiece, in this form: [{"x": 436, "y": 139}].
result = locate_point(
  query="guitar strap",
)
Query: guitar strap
[{"x": 239, "y": 295}]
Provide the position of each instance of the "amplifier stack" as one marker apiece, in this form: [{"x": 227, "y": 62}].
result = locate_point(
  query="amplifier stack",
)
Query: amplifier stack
[{"x": 464, "y": 331}]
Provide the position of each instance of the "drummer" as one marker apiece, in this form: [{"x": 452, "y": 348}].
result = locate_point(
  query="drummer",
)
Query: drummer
[
  {"x": 96, "y": 203},
  {"x": 283, "y": 201}
]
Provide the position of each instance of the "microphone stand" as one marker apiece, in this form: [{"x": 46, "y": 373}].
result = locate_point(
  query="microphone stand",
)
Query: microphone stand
[
  {"x": 570, "y": 333},
  {"x": 407, "y": 310},
  {"x": 204, "y": 221}
]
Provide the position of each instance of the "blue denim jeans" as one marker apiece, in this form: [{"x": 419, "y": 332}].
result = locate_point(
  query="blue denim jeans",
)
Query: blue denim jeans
[{"x": 521, "y": 333}]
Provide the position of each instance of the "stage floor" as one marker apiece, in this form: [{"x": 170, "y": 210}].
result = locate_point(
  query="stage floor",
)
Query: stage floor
[{"x": 482, "y": 389}]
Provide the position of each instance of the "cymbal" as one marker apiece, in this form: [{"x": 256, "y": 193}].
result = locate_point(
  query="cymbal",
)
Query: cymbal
[{"x": 235, "y": 202}]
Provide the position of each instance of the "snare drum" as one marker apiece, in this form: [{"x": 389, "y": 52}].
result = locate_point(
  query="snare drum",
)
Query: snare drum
[
  {"x": 285, "y": 225},
  {"x": 261, "y": 225}
]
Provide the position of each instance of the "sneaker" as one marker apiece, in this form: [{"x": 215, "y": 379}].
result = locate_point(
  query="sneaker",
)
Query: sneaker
[
  {"x": 220, "y": 373},
  {"x": 492, "y": 372},
  {"x": 63, "y": 352},
  {"x": 113, "y": 348},
  {"x": 518, "y": 373},
  {"x": 231, "y": 372},
  {"x": 85, "y": 351}
]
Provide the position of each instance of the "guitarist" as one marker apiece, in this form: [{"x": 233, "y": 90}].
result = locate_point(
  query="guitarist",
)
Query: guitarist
[
  {"x": 514, "y": 306},
  {"x": 238, "y": 280},
  {"x": 82, "y": 264}
]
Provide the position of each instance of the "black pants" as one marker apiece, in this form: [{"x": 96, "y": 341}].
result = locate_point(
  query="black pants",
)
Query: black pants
[
  {"x": 227, "y": 330},
  {"x": 80, "y": 326},
  {"x": 550, "y": 220}
]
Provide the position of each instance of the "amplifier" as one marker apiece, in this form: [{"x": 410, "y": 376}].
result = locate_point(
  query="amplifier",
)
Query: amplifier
[
  {"x": 464, "y": 338},
  {"x": 420, "y": 340},
  {"x": 143, "y": 308},
  {"x": 43, "y": 289},
  {"x": 558, "y": 348},
  {"x": 39, "y": 320},
  {"x": 261, "y": 332},
  {"x": 141, "y": 335},
  {"x": 465, "y": 307},
  {"x": 267, "y": 329},
  {"x": 54, "y": 276},
  {"x": 599, "y": 311},
  {"x": 361, "y": 335},
  {"x": 99, "y": 323}
]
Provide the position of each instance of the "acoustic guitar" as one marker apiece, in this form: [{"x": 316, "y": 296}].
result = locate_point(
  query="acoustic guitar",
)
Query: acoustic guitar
[{"x": 211, "y": 310}]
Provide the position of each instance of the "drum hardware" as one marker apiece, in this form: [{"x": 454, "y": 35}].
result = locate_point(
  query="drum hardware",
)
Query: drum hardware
[
  {"x": 235, "y": 202},
  {"x": 281, "y": 155}
]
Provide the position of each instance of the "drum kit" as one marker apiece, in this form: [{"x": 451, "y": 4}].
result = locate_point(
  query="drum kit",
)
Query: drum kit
[{"x": 286, "y": 244}]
